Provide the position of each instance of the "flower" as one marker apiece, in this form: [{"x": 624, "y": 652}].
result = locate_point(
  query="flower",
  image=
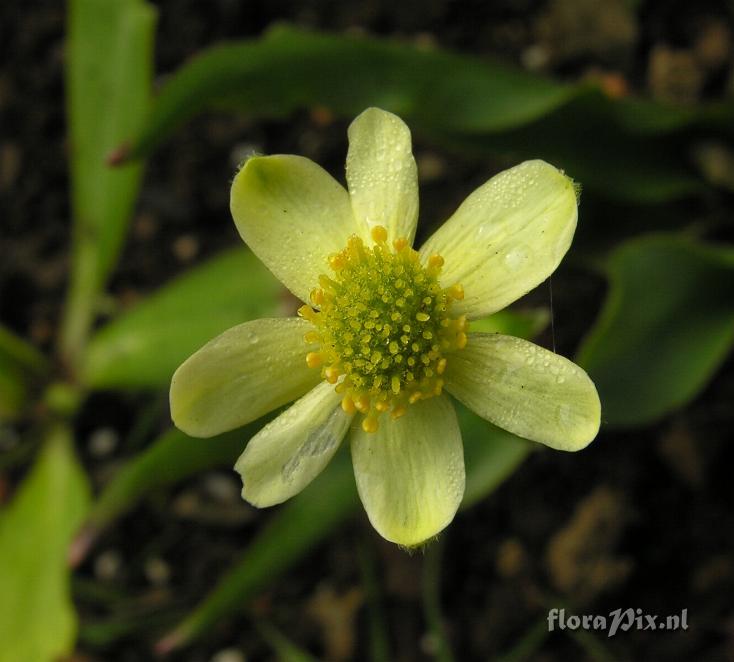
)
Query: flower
[{"x": 384, "y": 331}]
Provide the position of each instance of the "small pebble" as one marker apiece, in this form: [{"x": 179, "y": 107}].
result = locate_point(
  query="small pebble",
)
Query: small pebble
[
  {"x": 186, "y": 248},
  {"x": 228, "y": 655},
  {"x": 511, "y": 558},
  {"x": 535, "y": 57},
  {"x": 157, "y": 571},
  {"x": 225, "y": 489},
  {"x": 107, "y": 565},
  {"x": 430, "y": 166},
  {"x": 145, "y": 226},
  {"x": 102, "y": 442}
]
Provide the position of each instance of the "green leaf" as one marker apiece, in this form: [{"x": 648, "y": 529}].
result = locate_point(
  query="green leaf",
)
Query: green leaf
[
  {"x": 666, "y": 326},
  {"x": 627, "y": 149},
  {"x": 37, "y": 619},
  {"x": 143, "y": 347},
  {"x": 21, "y": 353},
  {"x": 583, "y": 139},
  {"x": 108, "y": 78},
  {"x": 281, "y": 646},
  {"x": 432, "y": 610},
  {"x": 379, "y": 638},
  {"x": 491, "y": 455},
  {"x": 21, "y": 367},
  {"x": 522, "y": 323},
  {"x": 290, "y": 68}
]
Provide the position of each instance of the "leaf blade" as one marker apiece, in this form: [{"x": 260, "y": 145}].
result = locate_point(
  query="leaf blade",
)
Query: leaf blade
[
  {"x": 37, "y": 619},
  {"x": 108, "y": 79},
  {"x": 665, "y": 327},
  {"x": 144, "y": 346}
]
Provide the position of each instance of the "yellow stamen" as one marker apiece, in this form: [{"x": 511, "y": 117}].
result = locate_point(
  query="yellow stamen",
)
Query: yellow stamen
[
  {"x": 348, "y": 405},
  {"x": 456, "y": 291},
  {"x": 398, "y": 411},
  {"x": 362, "y": 403},
  {"x": 317, "y": 296},
  {"x": 337, "y": 261},
  {"x": 383, "y": 327},
  {"x": 313, "y": 359},
  {"x": 378, "y": 234},
  {"x": 307, "y": 313},
  {"x": 370, "y": 424},
  {"x": 435, "y": 261}
]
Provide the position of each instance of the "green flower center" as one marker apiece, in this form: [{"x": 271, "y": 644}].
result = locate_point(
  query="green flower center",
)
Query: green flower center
[{"x": 383, "y": 326}]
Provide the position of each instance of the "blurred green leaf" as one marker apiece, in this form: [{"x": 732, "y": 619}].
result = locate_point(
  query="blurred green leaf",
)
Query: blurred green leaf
[
  {"x": 516, "y": 322},
  {"x": 20, "y": 352},
  {"x": 379, "y": 638},
  {"x": 432, "y": 609},
  {"x": 491, "y": 455},
  {"x": 143, "y": 347},
  {"x": 37, "y": 619},
  {"x": 583, "y": 139},
  {"x": 529, "y": 644},
  {"x": 108, "y": 77},
  {"x": 290, "y": 68},
  {"x": 21, "y": 365},
  {"x": 283, "y": 647},
  {"x": 621, "y": 148},
  {"x": 666, "y": 326}
]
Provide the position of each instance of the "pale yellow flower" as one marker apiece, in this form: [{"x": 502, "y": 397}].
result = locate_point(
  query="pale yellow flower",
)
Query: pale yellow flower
[{"x": 387, "y": 329}]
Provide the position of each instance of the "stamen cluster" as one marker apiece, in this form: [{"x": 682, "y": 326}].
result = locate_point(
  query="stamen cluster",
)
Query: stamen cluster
[{"x": 383, "y": 327}]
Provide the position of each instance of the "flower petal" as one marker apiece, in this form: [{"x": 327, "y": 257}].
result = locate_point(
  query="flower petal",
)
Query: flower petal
[
  {"x": 240, "y": 375},
  {"x": 410, "y": 473},
  {"x": 293, "y": 215},
  {"x": 525, "y": 389},
  {"x": 507, "y": 237},
  {"x": 382, "y": 175},
  {"x": 290, "y": 451}
]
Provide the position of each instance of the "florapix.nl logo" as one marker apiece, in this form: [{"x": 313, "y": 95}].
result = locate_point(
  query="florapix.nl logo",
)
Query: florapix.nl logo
[{"x": 616, "y": 621}]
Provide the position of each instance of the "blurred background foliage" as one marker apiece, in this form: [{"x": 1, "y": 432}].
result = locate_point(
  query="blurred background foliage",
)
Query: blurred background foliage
[{"x": 124, "y": 121}]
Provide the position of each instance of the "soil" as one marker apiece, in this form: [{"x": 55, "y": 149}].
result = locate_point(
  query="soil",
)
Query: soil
[{"x": 641, "y": 519}]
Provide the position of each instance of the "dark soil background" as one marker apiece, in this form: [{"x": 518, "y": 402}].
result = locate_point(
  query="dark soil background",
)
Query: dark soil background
[{"x": 640, "y": 519}]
